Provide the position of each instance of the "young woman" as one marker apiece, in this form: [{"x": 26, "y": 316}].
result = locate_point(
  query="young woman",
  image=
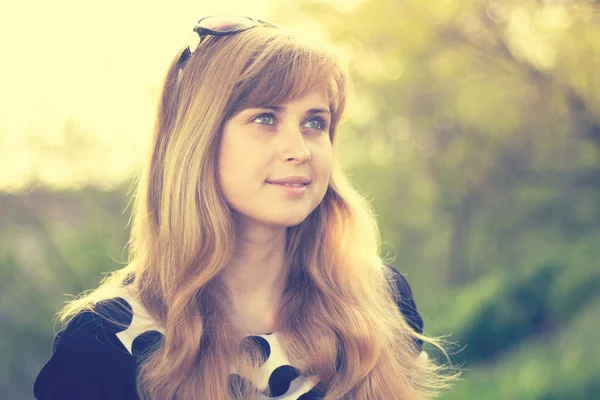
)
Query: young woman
[{"x": 254, "y": 270}]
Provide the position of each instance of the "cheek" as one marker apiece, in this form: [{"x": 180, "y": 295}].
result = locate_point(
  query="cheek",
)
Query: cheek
[
  {"x": 324, "y": 162},
  {"x": 229, "y": 164},
  {"x": 240, "y": 165}
]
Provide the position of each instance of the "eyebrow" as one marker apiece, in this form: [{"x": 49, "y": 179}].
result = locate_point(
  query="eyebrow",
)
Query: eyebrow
[{"x": 279, "y": 109}]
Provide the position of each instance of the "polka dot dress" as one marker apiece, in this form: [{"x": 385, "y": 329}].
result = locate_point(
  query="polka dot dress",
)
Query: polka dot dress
[
  {"x": 274, "y": 375},
  {"x": 94, "y": 359}
]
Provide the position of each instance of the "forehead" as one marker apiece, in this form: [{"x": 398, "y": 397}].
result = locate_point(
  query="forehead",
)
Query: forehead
[
  {"x": 317, "y": 99},
  {"x": 278, "y": 82},
  {"x": 277, "y": 90}
]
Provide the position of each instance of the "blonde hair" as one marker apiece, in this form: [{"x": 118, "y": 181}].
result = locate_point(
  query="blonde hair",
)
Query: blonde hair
[{"x": 337, "y": 318}]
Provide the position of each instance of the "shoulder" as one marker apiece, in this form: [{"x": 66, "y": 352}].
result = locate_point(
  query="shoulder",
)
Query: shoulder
[
  {"x": 403, "y": 295},
  {"x": 403, "y": 288},
  {"x": 92, "y": 356},
  {"x": 86, "y": 362}
]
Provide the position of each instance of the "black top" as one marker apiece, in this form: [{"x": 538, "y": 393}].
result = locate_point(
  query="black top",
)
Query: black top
[{"x": 94, "y": 359}]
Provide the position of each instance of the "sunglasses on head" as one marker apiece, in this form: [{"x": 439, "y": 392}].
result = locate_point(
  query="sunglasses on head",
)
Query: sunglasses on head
[{"x": 217, "y": 25}]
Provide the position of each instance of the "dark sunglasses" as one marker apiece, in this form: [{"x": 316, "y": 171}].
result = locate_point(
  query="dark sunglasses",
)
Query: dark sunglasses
[{"x": 217, "y": 25}]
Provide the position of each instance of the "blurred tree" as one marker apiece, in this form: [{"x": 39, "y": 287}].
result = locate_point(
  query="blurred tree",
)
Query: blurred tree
[
  {"x": 475, "y": 128},
  {"x": 484, "y": 96},
  {"x": 52, "y": 245}
]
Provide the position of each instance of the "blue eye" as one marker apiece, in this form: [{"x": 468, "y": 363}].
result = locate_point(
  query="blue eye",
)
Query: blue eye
[
  {"x": 265, "y": 119},
  {"x": 317, "y": 123}
]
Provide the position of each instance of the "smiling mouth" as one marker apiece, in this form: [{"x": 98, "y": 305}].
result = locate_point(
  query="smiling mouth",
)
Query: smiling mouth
[{"x": 290, "y": 184}]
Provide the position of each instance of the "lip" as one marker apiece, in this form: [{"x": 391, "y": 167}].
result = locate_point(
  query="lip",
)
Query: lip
[
  {"x": 304, "y": 179},
  {"x": 293, "y": 191}
]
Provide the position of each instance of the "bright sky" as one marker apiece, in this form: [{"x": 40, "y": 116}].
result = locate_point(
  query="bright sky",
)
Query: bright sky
[
  {"x": 95, "y": 67},
  {"x": 79, "y": 81}
]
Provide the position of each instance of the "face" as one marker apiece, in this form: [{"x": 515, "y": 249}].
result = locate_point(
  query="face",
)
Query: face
[{"x": 264, "y": 151}]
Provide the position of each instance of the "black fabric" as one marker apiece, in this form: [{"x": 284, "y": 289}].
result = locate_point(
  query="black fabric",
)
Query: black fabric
[
  {"x": 89, "y": 361},
  {"x": 406, "y": 303}
]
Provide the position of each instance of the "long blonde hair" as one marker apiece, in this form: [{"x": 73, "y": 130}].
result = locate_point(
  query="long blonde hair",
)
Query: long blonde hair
[{"x": 337, "y": 318}]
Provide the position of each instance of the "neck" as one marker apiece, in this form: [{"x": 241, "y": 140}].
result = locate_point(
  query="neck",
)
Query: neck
[{"x": 257, "y": 269}]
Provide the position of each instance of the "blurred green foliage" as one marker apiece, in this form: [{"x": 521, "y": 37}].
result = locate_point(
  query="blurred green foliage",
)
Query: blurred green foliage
[
  {"x": 474, "y": 129},
  {"x": 53, "y": 245}
]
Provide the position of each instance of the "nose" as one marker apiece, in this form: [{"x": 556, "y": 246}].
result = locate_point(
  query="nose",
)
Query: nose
[{"x": 293, "y": 146}]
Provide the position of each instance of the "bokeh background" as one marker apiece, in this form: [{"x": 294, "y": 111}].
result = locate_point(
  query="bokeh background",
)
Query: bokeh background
[{"x": 474, "y": 129}]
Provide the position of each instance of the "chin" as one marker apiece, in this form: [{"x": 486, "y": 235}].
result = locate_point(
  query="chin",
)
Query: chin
[
  {"x": 280, "y": 219},
  {"x": 287, "y": 223}
]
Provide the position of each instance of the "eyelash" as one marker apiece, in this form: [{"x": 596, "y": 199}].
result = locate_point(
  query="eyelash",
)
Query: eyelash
[{"x": 322, "y": 121}]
